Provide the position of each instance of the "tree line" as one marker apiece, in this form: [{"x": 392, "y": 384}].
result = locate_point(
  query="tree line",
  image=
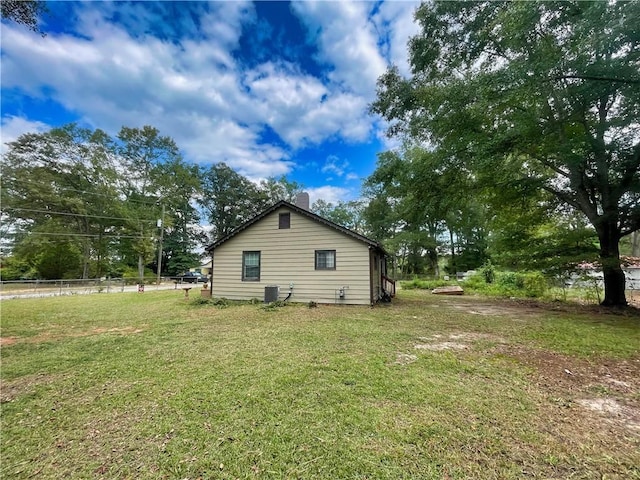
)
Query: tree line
[
  {"x": 520, "y": 146},
  {"x": 78, "y": 203},
  {"x": 520, "y": 126}
]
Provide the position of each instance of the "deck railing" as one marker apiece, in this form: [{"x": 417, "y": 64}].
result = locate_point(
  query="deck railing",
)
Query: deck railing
[{"x": 389, "y": 285}]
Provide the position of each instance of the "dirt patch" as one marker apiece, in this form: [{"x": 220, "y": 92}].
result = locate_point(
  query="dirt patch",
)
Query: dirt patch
[
  {"x": 604, "y": 390},
  {"x": 610, "y": 408},
  {"x": 13, "y": 389},
  {"x": 442, "y": 346},
  {"x": 524, "y": 308},
  {"x": 453, "y": 341},
  {"x": 405, "y": 358},
  {"x": 6, "y": 341},
  {"x": 51, "y": 337}
]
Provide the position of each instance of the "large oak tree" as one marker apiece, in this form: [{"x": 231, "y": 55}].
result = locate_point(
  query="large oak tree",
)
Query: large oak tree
[{"x": 544, "y": 93}]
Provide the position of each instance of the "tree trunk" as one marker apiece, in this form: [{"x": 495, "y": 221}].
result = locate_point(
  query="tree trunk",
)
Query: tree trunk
[{"x": 614, "y": 281}]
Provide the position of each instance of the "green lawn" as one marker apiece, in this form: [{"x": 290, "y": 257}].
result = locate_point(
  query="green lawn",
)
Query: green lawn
[{"x": 151, "y": 386}]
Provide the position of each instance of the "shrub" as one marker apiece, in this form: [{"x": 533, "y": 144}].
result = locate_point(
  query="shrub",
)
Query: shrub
[
  {"x": 217, "y": 302},
  {"x": 274, "y": 305},
  {"x": 488, "y": 272},
  {"x": 475, "y": 282},
  {"x": 510, "y": 280},
  {"x": 535, "y": 284},
  {"x": 425, "y": 284}
]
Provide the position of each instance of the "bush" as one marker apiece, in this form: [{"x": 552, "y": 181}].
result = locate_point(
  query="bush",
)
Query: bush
[
  {"x": 535, "y": 284},
  {"x": 425, "y": 284},
  {"x": 488, "y": 272},
  {"x": 130, "y": 276},
  {"x": 475, "y": 282},
  {"x": 509, "y": 284},
  {"x": 274, "y": 305},
  {"x": 217, "y": 302},
  {"x": 510, "y": 280}
]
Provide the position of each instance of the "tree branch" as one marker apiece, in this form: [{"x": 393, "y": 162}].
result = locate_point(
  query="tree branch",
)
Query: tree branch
[{"x": 629, "y": 81}]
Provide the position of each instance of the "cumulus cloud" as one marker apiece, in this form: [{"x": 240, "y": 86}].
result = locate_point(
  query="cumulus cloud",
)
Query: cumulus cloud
[
  {"x": 395, "y": 23},
  {"x": 329, "y": 194},
  {"x": 192, "y": 88},
  {"x": 348, "y": 42},
  {"x": 335, "y": 165},
  {"x": 13, "y": 127}
]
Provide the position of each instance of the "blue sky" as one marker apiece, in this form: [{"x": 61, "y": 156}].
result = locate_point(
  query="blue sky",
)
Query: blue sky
[{"x": 270, "y": 88}]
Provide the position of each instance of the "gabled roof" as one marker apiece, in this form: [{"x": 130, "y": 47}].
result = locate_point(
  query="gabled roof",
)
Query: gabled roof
[{"x": 303, "y": 212}]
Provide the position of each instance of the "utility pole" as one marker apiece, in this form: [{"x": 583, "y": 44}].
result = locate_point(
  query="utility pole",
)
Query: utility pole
[{"x": 161, "y": 226}]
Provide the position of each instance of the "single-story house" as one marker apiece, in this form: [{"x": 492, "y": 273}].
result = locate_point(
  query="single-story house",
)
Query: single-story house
[
  {"x": 289, "y": 253},
  {"x": 204, "y": 269}
]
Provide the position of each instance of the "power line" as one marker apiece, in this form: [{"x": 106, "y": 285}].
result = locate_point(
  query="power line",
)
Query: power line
[
  {"x": 20, "y": 180},
  {"x": 94, "y": 235},
  {"x": 76, "y": 214}
]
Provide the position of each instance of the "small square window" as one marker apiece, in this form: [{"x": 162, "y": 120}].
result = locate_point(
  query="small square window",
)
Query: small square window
[
  {"x": 250, "y": 266},
  {"x": 325, "y": 259},
  {"x": 284, "y": 221}
]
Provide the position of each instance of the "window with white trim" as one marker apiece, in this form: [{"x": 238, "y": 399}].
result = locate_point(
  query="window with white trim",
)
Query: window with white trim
[
  {"x": 325, "y": 259},
  {"x": 250, "y": 266}
]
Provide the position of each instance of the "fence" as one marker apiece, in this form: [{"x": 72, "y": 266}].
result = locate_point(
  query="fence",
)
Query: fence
[{"x": 35, "y": 288}]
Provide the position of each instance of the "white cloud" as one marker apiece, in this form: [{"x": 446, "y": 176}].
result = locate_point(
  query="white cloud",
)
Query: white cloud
[
  {"x": 335, "y": 165},
  {"x": 348, "y": 41},
  {"x": 394, "y": 21},
  {"x": 13, "y": 127},
  {"x": 302, "y": 110},
  {"x": 193, "y": 89},
  {"x": 330, "y": 194}
]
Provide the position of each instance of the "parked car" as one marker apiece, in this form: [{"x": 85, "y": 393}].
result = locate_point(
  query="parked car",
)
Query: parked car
[{"x": 191, "y": 277}]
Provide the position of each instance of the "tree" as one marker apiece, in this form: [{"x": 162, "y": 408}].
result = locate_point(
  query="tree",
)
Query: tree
[
  {"x": 272, "y": 190},
  {"x": 228, "y": 199},
  {"x": 143, "y": 151},
  {"x": 547, "y": 90},
  {"x": 25, "y": 12},
  {"x": 346, "y": 214},
  {"x": 179, "y": 185},
  {"x": 62, "y": 183}
]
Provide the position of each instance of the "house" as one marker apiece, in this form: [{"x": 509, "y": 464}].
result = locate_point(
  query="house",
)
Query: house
[
  {"x": 289, "y": 253},
  {"x": 203, "y": 269}
]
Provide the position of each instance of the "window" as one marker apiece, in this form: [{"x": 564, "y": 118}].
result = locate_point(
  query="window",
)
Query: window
[
  {"x": 250, "y": 266},
  {"x": 325, "y": 259},
  {"x": 284, "y": 221}
]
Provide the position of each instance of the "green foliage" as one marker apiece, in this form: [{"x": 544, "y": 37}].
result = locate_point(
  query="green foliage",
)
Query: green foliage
[
  {"x": 346, "y": 214},
  {"x": 15, "y": 268},
  {"x": 131, "y": 275},
  {"x": 216, "y": 302},
  {"x": 416, "y": 283},
  {"x": 488, "y": 272},
  {"x": 25, "y": 12},
  {"x": 508, "y": 284},
  {"x": 274, "y": 305},
  {"x": 535, "y": 284},
  {"x": 416, "y": 196},
  {"x": 99, "y": 197},
  {"x": 530, "y": 99}
]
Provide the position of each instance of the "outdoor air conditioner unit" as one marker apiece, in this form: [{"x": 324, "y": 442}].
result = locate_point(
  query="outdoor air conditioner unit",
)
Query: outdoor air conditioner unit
[{"x": 271, "y": 293}]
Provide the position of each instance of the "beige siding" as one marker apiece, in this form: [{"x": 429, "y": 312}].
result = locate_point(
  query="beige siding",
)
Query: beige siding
[{"x": 288, "y": 256}]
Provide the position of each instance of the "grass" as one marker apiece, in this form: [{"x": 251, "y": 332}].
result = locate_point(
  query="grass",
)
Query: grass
[{"x": 151, "y": 386}]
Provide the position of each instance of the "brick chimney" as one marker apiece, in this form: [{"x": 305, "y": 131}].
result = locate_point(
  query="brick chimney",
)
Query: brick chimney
[{"x": 302, "y": 200}]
